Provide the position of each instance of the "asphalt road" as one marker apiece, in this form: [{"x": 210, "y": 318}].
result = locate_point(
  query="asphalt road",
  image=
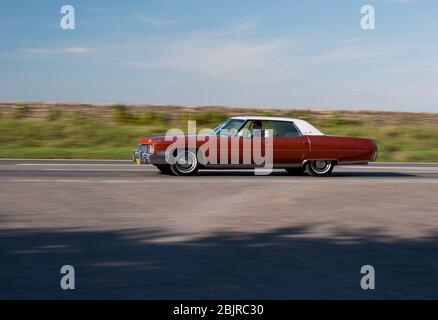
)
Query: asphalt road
[{"x": 131, "y": 232}]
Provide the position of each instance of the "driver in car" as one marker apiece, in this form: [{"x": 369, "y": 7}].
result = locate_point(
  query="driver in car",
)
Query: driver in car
[{"x": 256, "y": 129}]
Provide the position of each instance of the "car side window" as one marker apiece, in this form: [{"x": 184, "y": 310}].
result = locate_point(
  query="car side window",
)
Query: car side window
[
  {"x": 249, "y": 129},
  {"x": 284, "y": 129}
]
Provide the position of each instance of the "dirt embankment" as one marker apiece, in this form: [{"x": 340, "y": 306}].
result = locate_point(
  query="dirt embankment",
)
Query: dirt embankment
[{"x": 172, "y": 112}]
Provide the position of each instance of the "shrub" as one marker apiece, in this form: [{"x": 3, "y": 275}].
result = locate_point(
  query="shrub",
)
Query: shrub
[
  {"x": 20, "y": 112},
  {"x": 120, "y": 114},
  {"x": 151, "y": 117},
  {"x": 206, "y": 118},
  {"x": 303, "y": 115},
  {"x": 54, "y": 114},
  {"x": 265, "y": 113},
  {"x": 337, "y": 120}
]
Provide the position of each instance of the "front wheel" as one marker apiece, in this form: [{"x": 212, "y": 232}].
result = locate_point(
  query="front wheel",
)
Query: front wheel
[
  {"x": 320, "y": 168},
  {"x": 186, "y": 164}
]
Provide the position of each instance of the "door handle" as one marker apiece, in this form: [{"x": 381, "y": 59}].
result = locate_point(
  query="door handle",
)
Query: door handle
[{"x": 304, "y": 142}]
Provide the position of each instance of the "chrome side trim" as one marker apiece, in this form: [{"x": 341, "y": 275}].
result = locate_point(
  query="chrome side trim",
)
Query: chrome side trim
[
  {"x": 303, "y": 163},
  {"x": 248, "y": 166}
]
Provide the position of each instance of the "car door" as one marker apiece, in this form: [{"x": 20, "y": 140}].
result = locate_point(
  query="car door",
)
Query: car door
[
  {"x": 250, "y": 146},
  {"x": 289, "y": 146}
]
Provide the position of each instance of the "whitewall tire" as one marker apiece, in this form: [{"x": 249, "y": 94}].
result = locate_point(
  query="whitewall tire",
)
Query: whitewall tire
[
  {"x": 320, "y": 168},
  {"x": 186, "y": 164}
]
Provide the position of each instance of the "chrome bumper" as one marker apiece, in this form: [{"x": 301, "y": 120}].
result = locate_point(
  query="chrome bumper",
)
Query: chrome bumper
[{"x": 147, "y": 158}]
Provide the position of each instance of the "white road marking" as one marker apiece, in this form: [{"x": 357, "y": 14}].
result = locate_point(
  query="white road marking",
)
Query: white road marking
[
  {"x": 52, "y": 180},
  {"x": 390, "y": 168},
  {"x": 401, "y": 162},
  {"x": 200, "y": 180},
  {"x": 126, "y": 161},
  {"x": 68, "y": 166},
  {"x": 419, "y": 170},
  {"x": 106, "y": 170},
  {"x": 79, "y": 164},
  {"x": 153, "y": 170},
  {"x": 406, "y": 168},
  {"x": 78, "y": 160}
]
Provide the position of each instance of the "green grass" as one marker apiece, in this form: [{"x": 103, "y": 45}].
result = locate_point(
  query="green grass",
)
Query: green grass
[
  {"x": 395, "y": 143},
  {"x": 81, "y": 137},
  {"x": 74, "y": 138},
  {"x": 204, "y": 119},
  {"x": 122, "y": 116}
]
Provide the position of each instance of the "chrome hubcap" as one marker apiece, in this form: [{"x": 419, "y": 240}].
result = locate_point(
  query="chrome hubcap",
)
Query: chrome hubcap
[
  {"x": 186, "y": 162},
  {"x": 321, "y": 166}
]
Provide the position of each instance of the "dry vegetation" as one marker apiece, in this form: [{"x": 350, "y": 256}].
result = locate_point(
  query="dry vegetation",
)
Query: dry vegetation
[{"x": 38, "y": 130}]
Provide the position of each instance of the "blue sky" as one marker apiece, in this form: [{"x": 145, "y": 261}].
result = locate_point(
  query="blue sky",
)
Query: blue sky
[{"x": 277, "y": 53}]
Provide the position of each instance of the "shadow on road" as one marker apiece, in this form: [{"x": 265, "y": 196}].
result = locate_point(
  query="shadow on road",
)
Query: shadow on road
[
  {"x": 282, "y": 264},
  {"x": 207, "y": 173},
  {"x": 374, "y": 174}
]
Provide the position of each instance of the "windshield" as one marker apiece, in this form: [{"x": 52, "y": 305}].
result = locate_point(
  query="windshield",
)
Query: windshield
[{"x": 229, "y": 127}]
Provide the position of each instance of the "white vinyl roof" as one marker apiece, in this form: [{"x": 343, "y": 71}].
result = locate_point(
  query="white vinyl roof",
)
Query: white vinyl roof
[{"x": 305, "y": 127}]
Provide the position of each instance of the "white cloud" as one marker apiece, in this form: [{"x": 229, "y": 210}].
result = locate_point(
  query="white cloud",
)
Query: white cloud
[
  {"x": 214, "y": 59},
  {"x": 67, "y": 50},
  {"x": 213, "y": 53},
  {"x": 153, "y": 22},
  {"x": 238, "y": 52},
  {"x": 216, "y": 55},
  {"x": 396, "y": 1},
  {"x": 349, "y": 53}
]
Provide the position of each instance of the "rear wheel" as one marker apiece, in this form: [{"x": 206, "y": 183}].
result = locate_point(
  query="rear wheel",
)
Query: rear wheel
[
  {"x": 186, "y": 164},
  {"x": 320, "y": 168},
  {"x": 295, "y": 171}
]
